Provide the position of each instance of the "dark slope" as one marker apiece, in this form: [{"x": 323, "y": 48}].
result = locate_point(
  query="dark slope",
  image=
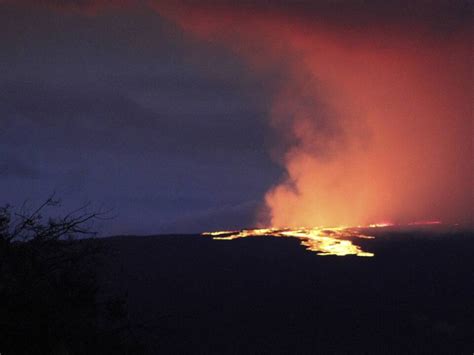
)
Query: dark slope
[{"x": 190, "y": 294}]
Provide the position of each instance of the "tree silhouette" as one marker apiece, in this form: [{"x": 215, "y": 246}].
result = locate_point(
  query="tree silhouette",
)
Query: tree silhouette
[{"x": 49, "y": 291}]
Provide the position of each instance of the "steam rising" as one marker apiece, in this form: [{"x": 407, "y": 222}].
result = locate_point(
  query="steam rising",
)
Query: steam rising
[{"x": 374, "y": 112}]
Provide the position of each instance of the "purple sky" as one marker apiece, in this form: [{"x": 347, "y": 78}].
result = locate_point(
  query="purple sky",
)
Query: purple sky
[{"x": 123, "y": 110}]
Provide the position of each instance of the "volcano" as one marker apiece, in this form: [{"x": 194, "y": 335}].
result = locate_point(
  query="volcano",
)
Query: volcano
[{"x": 267, "y": 295}]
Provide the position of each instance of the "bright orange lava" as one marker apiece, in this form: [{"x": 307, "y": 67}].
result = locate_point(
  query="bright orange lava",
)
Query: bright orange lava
[{"x": 322, "y": 240}]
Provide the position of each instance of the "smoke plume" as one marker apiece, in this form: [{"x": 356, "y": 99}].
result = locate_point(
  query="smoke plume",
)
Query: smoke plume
[{"x": 371, "y": 106}]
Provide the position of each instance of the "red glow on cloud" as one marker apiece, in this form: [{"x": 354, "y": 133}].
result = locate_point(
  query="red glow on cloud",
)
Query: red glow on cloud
[{"x": 378, "y": 115}]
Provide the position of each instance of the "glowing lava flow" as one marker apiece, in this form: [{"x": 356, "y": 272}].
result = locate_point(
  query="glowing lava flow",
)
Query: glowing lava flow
[{"x": 323, "y": 241}]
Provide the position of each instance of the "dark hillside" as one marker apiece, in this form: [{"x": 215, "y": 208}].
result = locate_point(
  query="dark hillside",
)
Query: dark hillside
[{"x": 190, "y": 294}]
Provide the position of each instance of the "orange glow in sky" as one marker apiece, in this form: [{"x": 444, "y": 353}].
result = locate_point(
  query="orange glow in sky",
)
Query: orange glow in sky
[{"x": 374, "y": 120}]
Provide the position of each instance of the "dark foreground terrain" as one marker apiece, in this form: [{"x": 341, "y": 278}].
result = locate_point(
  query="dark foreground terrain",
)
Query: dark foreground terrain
[{"x": 192, "y": 295}]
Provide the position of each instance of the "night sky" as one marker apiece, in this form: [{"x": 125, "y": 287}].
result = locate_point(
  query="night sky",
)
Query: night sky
[
  {"x": 121, "y": 109},
  {"x": 128, "y": 106}
]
